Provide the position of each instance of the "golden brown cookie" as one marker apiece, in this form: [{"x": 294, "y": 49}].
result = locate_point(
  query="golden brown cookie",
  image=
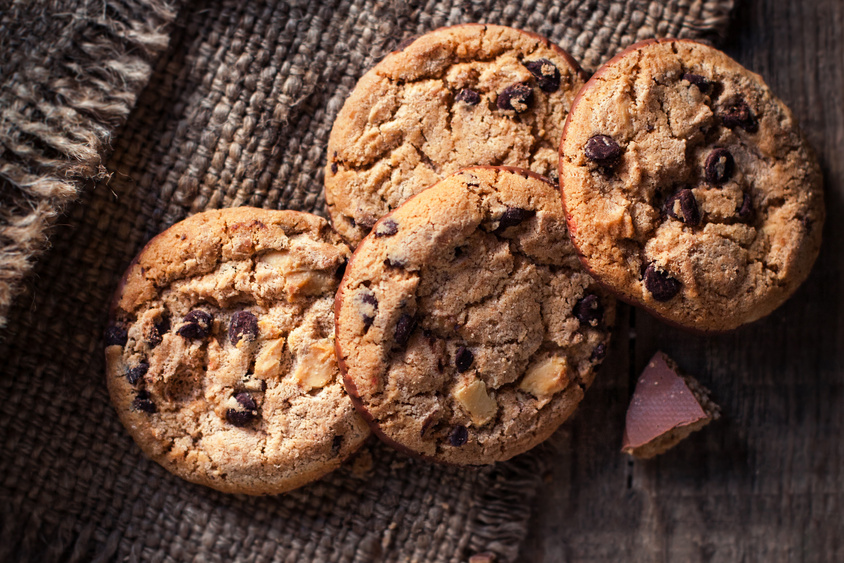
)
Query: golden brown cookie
[
  {"x": 688, "y": 188},
  {"x": 220, "y": 354},
  {"x": 458, "y": 96},
  {"x": 467, "y": 329}
]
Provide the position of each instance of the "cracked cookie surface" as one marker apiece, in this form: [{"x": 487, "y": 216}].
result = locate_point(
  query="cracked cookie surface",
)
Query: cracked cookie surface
[
  {"x": 220, "y": 354},
  {"x": 467, "y": 329},
  {"x": 458, "y": 96},
  {"x": 688, "y": 187}
]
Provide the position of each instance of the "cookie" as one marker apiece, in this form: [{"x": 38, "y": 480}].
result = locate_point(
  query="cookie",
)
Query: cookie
[
  {"x": 665, "y": 409},
  {"x": 467, "y": 330},
  {"x": 458, "y": 96},
  {"x": 220, "y": 355},
  {"x": 688, "y": 188}
]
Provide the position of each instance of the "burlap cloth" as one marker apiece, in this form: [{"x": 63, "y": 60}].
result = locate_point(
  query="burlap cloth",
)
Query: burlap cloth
[{"x": 237, "y": 111}]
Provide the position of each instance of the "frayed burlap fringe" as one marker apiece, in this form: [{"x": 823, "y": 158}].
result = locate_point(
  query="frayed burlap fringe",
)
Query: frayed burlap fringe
[
  {"x": 70, "y": 74},
  {"x": 237, "y": 112}
]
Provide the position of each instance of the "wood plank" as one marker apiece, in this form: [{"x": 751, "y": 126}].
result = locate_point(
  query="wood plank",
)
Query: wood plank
[{"x": 766, "y": 482}]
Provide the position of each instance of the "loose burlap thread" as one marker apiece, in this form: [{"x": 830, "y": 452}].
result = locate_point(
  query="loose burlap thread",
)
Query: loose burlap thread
[{"x": 237, "y": 112}]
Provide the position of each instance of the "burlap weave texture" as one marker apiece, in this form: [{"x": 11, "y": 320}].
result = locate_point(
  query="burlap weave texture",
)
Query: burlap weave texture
[{"x": 237, "y": 112}]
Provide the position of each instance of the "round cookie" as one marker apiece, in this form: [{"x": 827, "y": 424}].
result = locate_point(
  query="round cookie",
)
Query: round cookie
[
  {"x": 688, "y": 188},
  {"x": 458, "y": 96},
  {"x": 220, "y": 355},
  {"x": 467, "y": 329}
]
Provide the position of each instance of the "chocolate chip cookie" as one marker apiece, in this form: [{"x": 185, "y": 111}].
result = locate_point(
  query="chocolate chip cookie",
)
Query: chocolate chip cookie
[
  {"x": 467, "y": 329},
  {"x": 689, "y": 189},
  {"x": 220, "y": 354},
  {"x": 458, "y": 96}
]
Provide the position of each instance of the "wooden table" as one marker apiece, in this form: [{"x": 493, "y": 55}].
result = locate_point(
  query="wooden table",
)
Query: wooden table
[{"x": 766, "y": 482}]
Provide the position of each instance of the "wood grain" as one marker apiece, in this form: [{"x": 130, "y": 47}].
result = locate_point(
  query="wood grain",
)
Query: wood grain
[{"x": 765, "y": 483}]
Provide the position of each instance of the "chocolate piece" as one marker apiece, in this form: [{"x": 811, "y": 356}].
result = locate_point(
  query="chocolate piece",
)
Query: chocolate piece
[
  {"x": 136, "y": 373},
  {"x": 468, "y": 96},
  {"x": 243, "y": 417},
  {"x": 704, "y": 85},
  {"x": 516, "y": 97},
  {"x": 243, "y": 325},
  {"x": 739, "y": 115},
  {"x": 589, "y": 311},
  {"x": 143, "y": 402},
  {"x": 513, "y": 216},
  {"x": 745, "y": 210},
  {"x": 546, "y": 73},
  {"x": 334, "y": 168},
  {"x": 660, "y": 284},
  {"x": 603, "y": 150},
  {"x": 598, "y": 353},
  {"x": 404, "y": 328},
  {"x": 458, "y": 436},
  {"x": 463, "y": 359},
  {"x": 369, "y": 298},
  {"x": 689, "y": 213},
  {"x": 719, "y": 166},
  {"x": 387, "y": 228},
  {"x": 665, "y": 408},
  {"x": 157, "y": 331},
  {"x": 245, "y": 400},
  {"x": 198, "y": 325},
  {"x": 116, "y": 335}
]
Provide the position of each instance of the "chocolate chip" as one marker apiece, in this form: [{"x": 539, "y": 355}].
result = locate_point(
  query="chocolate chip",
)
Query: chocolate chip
[
  {"x": 334, "y": 168},
  {"x": 116, "y": 335},
  {"x": 598, "y": 353},
  {"x": 243, "y": 325},
  {"x": 143, "y": 402},
  {"x": 719, "y": 166},
  {"x": 458, "y": 436},
  {"x": 240, "y": 418},
  {"x": 603, "y": 150},
  {"x": 463, "y": 359},
  {"x": 404, "y": 328},
  {"x": 468, "y": 96},
  {"x": 589, "y": 310},
  {"x": 513, "y": 216},
  {"x": 341, "y": 269},
  {"x": 745, "y": 210},
  {"x": 547, "y": 75},
  {"x": 704, "y": 85},
  {"x": 738, "y": 114},
  {"x": 661, "y": 285},
  {"x": 386, "y": 228},
  {"x": 689, "y": 211},
  {"x": 394, "y": 263},
  {"x": 369, "y": 299},
  {"x": 136, "y": 373},
  {"x": 246, "y": 401},
  {"x": 198, "y": 325},
  {"x": 336, "y": 444},
  {"x": 516, "y": 97},
  {"x": 158, "y": 330}
]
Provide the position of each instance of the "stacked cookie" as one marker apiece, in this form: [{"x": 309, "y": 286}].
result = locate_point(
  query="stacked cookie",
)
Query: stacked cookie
[{"x": 466, "y": 325}]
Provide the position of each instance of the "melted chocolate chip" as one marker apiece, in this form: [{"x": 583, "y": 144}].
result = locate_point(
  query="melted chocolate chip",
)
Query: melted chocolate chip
[
  {"x": 516, "y": 97},
  {"x": 136, "y": 373},
  {"x": 463, "y": 359},
  {"x": 386, "y": 228},
  {"x": 739, "y": 115},
  {"x": 603, "y": 150},
  {"x": 689, "y": 211},
  {"x": 404, "y": 328},
  {"x": 513, "y": 216},
  {"x": 458, "y": 436},
  {"x": 394, "y": 263},
  {"x": 116, "y": 335},
  {"x": 704, "y": 85},
  {"x": 240, "y": 418},
  {"x": 143, "y": 402},
  {"x": 468, "y": 96},
  {"x": 198, "y": 325},
  {"x": 546, "y": 73},
  {"x": 660, "y": 284},
  {"x": 719, "y": 166},
  {"x": 369, "y": 298},
  {"x": 334, "y": 168},
  {"x": 598, "y": 353},
  {"x": 589, "y": 310},
  {"x": 244, "y": 325},
  {"x": 745, "y": 210}
]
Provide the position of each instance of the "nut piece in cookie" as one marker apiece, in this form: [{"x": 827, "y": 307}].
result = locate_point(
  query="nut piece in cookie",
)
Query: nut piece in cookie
[{"x": 666, "y": 407}]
